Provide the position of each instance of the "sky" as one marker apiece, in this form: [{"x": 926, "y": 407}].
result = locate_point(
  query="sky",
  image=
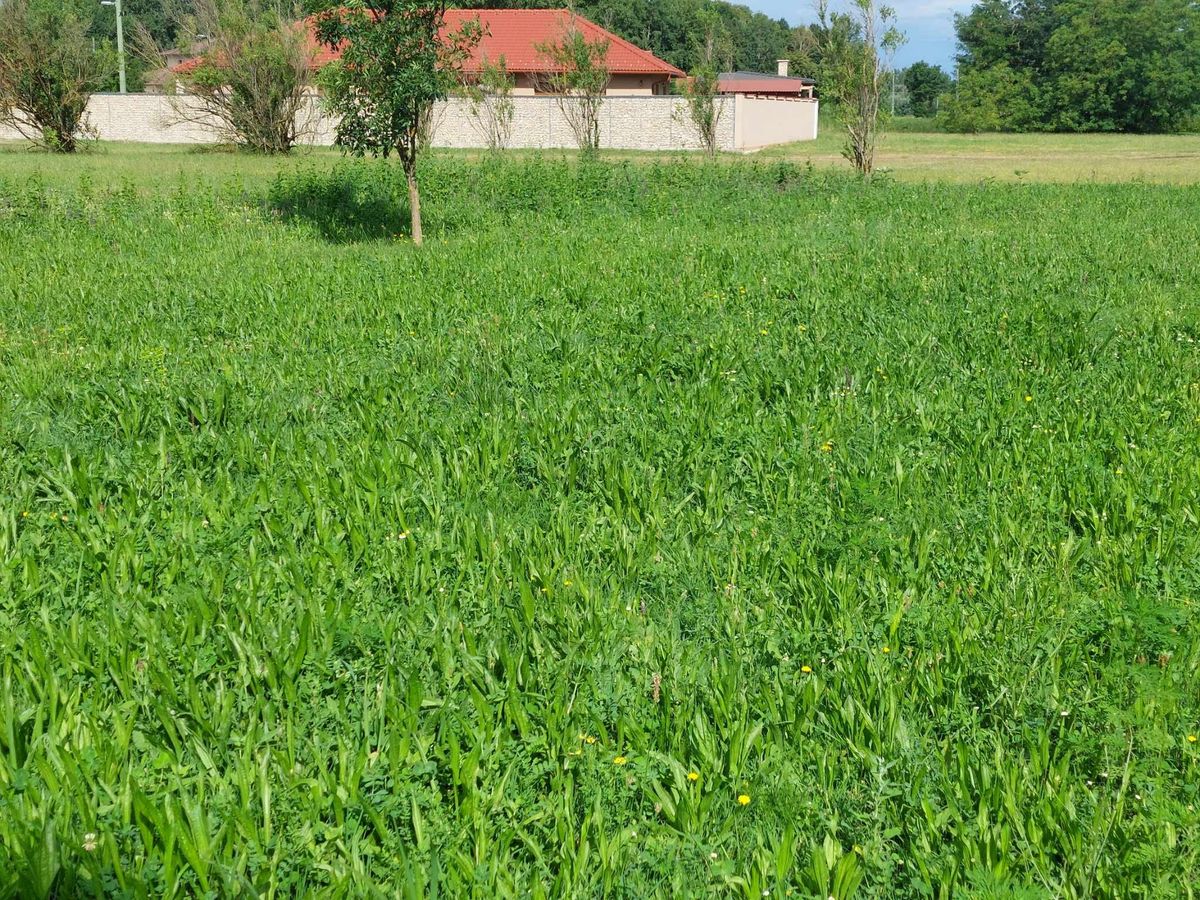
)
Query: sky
[{"x": 928, "y": 24}]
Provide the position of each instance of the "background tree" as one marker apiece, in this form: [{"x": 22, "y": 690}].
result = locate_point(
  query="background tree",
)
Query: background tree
[
  {"x": 855, "y": 66},
  {"x": 48, "y": 71},
  {"x": 820, "y": 50},
  {"x": 925, "y": 84},
  {"x": 160, "y": 19},
  {"x": 1078, "y": 65},
  {"x": 578, "y": 78},
  {"x": 393, "y": 68},
  {"x": 490, "y": 103}
]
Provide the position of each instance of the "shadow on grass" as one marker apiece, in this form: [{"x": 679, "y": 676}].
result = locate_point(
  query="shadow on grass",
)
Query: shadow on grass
[{"x": 350, "y": 204}]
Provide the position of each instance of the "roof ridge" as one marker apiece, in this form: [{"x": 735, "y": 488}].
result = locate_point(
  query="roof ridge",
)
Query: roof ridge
[{"x": 630, "y": 45}]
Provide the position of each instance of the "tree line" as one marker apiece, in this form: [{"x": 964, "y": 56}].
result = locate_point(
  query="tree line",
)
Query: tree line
[{"x": 1077, "y": 66}]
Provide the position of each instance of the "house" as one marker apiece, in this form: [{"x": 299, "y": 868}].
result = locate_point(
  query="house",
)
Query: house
[
  {"x": 759, "y": 84},
  {"x": 156, "y": 81},
  {"x": 518, "y": 36},
  {"x": 642, "y": 111}
]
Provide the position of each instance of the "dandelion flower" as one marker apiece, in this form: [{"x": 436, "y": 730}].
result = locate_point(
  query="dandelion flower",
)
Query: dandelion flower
[
  {"x": 90, "y": 842},
  {"x": 807, "y": 670},
  {"x": 743, "y": 799},
  {"x": 887, "y": 649},
  {"x": 763, "y": 332},
  {"x": 1191, "y": 739},
  {"x": 620, "y": 761},
  {"x": 1028, "y": 398},
  {"x": 589, "y": 739},
  {"x": 695, "y": 776},
  {"x": 827, "y": 447}
]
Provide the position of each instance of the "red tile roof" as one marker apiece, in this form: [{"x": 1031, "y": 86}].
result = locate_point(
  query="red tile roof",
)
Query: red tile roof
[{"x": 516, "y": 35}]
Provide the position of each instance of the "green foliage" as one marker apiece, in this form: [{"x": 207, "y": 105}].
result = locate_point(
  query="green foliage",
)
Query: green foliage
[
  {"x": 48, "y": 71},
  {"x": 253, "y": 78},
  {"x": 925, "y": 85},
  {"x": 998, "y": 98},
  {"x": 394, "y": 66},
  {"x": 491, "y": 103},
  {"x": 335, "y": 568},
  {"x": 578, "y": 76},
  {"x": 1098, "y": 65}
]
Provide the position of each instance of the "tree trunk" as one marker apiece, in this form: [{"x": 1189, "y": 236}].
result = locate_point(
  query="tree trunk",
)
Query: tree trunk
[{"x": 414, "y": 200}]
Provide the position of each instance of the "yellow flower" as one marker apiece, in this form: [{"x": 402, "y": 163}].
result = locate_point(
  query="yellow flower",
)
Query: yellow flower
[
  {"x": 693, "y": 777},
  {"x": 567, "y": 582},
  {"x": 620, "y": 761},
  {"x": 743, "y": 799},
  {"x": 807, "y": 670},
  {"x": 1192, "y": 739},
  {"x": 588, "y": 739},
  {"x": 827, "y": 447},
  {"x": 887, "y": 649},
  {"x": 763, "y": 332},
  {"x": 25, "y": 515},
  {"x": 1028, "y": 398}
]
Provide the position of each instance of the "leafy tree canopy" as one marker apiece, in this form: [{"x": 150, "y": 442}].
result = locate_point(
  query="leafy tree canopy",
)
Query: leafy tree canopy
[{"x": 1078, "y": 65}]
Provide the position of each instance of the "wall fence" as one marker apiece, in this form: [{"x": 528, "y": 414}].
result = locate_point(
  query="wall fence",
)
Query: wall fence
[{"x": 627, "y": 123}]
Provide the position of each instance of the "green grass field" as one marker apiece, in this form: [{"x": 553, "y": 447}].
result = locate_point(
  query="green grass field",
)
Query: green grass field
[
  {"x": 1067, "y": 158},
  {"x": 659, "y": 529}
]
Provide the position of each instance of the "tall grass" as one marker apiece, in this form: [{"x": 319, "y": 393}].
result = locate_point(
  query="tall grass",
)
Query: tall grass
[{"x": 656, "y": 530}]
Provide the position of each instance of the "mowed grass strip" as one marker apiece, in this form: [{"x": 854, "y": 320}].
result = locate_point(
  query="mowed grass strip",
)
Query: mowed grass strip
[{"x": 657, "y": 530}]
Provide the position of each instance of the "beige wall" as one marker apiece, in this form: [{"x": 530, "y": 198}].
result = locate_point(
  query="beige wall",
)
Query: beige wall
[
  {"x": 627, "y": 122},
  {"x": 764, "y": 121}
]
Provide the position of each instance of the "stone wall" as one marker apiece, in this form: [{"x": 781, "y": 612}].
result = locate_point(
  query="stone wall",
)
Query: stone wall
[{"x": 627, "y": 123}]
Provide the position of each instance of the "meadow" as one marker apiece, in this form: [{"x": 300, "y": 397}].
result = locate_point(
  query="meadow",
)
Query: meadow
[{"x": 658, "y": 529}]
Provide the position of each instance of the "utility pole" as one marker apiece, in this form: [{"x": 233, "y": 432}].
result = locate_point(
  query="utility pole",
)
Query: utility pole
[{"x": 120, "y": 40}]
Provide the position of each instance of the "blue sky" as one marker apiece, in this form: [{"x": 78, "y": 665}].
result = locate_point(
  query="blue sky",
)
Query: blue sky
[{"x": 929, "y": 25}]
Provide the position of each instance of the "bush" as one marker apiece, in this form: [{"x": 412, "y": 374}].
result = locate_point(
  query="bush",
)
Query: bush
[{"x": 49, "y": 68}]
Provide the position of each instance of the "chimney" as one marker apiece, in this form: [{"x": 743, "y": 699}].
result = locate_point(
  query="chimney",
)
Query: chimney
[{"x": 783, "y": 68}]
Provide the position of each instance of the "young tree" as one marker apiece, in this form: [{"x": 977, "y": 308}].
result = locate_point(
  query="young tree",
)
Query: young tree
[
  {"x": 490, "y": 102},
  {"x": 855, "y": 73},
  {"x": 395, "y": 64},
  {"x": 48, "y": 71},
  {"x": 252, "y": 80},
  {"x": 705, "y": 107},
  {"x": 578, "y": 78}
]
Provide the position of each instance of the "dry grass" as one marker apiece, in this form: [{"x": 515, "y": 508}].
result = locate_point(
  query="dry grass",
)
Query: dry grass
[{"x": 1159, "y": 159}]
